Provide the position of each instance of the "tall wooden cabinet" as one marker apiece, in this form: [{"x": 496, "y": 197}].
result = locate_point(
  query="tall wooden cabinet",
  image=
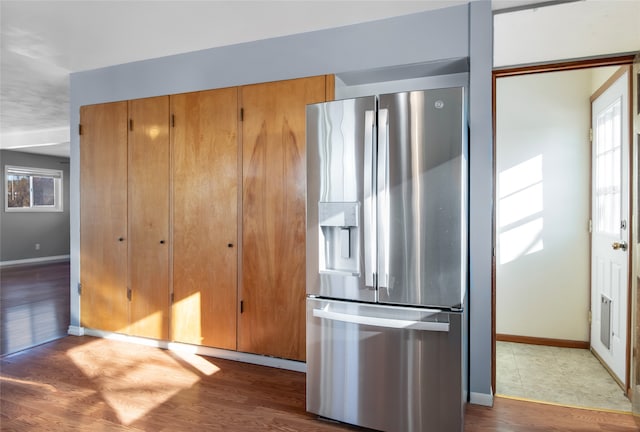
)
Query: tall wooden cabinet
[
  {"x": 273, "y": 216},
  {"x": 193, "y": 216},
  {"x": 148, "y": 194},
  {"x": 205, "y": 217},
  {"x": 124, "y": 217},
  {"x": 103, "y": 217}
]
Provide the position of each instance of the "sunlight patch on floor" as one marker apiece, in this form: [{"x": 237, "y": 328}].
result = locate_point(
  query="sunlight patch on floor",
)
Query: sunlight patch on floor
[
  {"x": 205, "y": 367},
  {"x": 28, "y": 383},
  {"x": 128, "y": 386}
]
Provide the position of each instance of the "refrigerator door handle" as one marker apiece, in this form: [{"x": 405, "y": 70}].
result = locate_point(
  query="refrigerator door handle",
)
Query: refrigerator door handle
[
  {"x": 369, "y": 200},
  {"x": 382, "y": 322},
  {"x": 383, "y": 198}
]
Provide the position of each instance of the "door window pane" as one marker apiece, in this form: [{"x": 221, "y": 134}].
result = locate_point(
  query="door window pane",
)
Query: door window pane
[{"x": 608, "y": 169}]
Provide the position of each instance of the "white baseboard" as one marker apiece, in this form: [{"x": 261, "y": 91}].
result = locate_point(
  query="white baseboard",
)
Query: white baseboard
[
  {"x": 75, "y": 331},
  {"x": 38, "y": 260},
  {"x": 481, "y": 399},
  {"x": 201, "y": 350}
]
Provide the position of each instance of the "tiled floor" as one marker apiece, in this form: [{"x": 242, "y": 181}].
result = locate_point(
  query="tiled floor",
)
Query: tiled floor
[{"x": 565, "y": 376}]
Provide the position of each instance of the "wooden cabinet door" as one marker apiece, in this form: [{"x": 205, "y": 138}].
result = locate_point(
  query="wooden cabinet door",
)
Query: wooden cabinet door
[
  {"x": 103, "y": 216},
  {"x": 273, "y": 218},
  {"x": 205, "y": 212},
  {"x": 149, "y": 217}
]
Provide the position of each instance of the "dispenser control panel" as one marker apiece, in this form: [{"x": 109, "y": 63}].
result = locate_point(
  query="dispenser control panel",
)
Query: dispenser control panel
[{"x": 338, "y": 214}]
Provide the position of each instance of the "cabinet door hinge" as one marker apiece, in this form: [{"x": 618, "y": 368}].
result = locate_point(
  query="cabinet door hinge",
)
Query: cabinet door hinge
[
  {"x": 79, "y": 129},
  {"x": 131, "y": 124},
  {"x": 171, "y": 297},
  {"x": 79, "y": 288},
  {"x": 590, "y": 225},
  {"x": 589, "y": 317},
  {"x": 241, "y": 306},
  {"x": 173, "y": 120},
  {"x": 590, "y": 135},
  {"x": 129, "y": 294},
  {"x": 241, "y": 114}
]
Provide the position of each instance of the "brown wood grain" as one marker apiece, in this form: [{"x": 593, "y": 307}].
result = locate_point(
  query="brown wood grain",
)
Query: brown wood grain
[
  {"x": 34, "y": 304},
  {"x": 89, "y": 384},
  {"x": 562, "y": 343},
  {"x": 148, "y": 195},
  {"x": 273, "y": 219},
  {"x": 614, "y": 60},
  {"x": 519, "y": 416},
  {"x": 103, "y": 216},
  {"x": 330, "y": 87},
  {"x": 205, "y": 217}
]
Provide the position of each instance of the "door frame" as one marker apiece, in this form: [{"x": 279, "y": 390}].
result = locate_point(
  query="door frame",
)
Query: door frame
[{"x": 617, "y": 60}]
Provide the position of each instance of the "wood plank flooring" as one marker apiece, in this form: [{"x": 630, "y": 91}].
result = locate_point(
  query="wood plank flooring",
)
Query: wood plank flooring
[
  {"x": 519, "y": 416},
  {"x": 90, "y": 384},
  {"x": 34, "y": 304}
]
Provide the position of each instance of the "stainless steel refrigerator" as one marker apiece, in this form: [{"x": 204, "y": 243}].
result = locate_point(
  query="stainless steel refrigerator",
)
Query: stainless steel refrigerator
[{"x": 387, "y": 260}]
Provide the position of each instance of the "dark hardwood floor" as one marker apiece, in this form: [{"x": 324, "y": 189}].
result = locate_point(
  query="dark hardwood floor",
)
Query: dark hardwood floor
[
  {"x": 84, "y": 383},
  {"x": 90, "y": 384},
  {"x": 34, "y": 304}
]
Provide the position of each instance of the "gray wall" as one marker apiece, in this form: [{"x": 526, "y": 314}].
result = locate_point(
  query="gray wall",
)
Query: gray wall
[
  {"x": 20, "y": 231},
  {"x": 456, "y": 32},
  {"x": 480, "y": 201}
]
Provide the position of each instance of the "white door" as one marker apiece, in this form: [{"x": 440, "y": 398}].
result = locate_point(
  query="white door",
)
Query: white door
[{"x": 610, "y": 218}]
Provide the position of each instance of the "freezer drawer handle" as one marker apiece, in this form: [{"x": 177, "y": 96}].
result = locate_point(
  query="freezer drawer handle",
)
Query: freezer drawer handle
[{"x": 382, "y": 322}]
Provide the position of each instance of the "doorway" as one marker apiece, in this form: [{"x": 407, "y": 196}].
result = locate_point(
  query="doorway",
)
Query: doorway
[{"x": 542, "y": 263}]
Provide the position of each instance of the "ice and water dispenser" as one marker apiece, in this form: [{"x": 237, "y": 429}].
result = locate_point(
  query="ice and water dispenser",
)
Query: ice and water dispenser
[{"x": 339, "y": 233}]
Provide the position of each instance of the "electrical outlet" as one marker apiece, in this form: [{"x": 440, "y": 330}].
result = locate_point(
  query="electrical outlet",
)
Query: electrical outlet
[{"x": 37, "y": 246}]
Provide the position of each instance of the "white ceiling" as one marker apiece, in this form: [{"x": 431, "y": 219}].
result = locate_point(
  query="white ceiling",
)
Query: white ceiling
[{"x": 43, "y": 41}]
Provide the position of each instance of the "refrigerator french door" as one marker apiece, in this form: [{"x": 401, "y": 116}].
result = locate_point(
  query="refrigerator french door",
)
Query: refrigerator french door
[{"x": 387, "y": 260}]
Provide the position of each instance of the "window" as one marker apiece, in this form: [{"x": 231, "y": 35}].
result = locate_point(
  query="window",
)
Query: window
[
  {"x": 33, "y": 189},
  {"x": 608, "y": 169}
]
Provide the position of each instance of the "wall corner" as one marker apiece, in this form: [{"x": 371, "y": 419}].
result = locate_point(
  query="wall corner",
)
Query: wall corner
[{"x": 481, "y": 173}]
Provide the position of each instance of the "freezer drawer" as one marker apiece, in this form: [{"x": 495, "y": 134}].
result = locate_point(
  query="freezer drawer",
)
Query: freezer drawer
[{"x": 382, "y": 367}]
